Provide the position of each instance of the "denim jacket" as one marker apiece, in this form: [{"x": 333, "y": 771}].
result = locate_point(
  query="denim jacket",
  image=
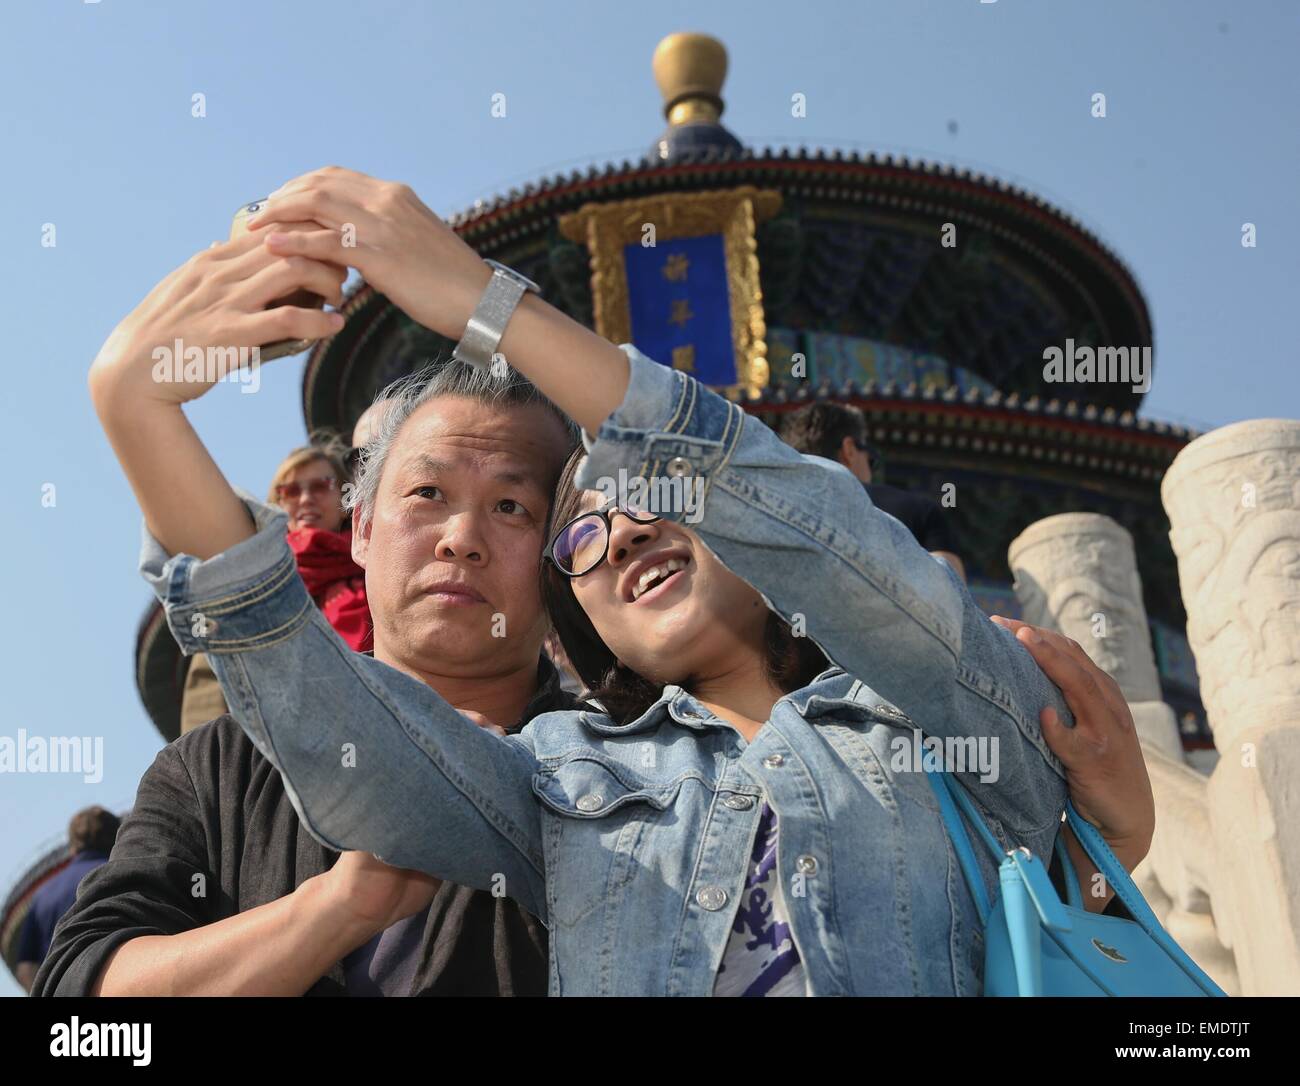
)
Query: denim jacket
[{"x": 630, "y": 842}]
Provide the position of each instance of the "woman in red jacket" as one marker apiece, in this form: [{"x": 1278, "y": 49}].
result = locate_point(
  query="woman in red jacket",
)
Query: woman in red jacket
[{"x": 308, "y": 486}]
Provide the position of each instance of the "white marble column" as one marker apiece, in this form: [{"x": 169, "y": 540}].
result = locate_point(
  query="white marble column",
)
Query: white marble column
[
  {"x": 1233, "y": 499},
  {"x": 1077, "y": 573}
]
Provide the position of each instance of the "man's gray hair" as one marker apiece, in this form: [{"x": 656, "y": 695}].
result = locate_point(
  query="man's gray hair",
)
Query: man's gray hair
[{"x": 498, "y": 385}]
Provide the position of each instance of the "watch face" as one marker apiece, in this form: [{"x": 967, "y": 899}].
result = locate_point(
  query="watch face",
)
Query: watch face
[{"x": 523, "y": 280}]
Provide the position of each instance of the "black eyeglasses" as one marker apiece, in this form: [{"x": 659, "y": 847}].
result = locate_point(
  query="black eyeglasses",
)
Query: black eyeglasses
[
  {"x": 582, "y": 544},
  {"x": 352, "y": 457}
]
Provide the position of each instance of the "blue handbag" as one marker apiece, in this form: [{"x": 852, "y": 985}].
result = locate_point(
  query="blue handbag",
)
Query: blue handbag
[{"x": 1035, "y": 945}]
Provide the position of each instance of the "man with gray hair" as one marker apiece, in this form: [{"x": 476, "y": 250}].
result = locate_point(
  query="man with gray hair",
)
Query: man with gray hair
[{"x": 452, "y": 494}]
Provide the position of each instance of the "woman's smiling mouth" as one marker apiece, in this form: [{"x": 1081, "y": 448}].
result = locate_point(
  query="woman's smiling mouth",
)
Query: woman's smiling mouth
[{"x": 655, "y": 580}]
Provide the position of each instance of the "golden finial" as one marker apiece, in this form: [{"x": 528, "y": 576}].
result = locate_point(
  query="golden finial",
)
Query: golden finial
[{"x": 690, "y": 70}]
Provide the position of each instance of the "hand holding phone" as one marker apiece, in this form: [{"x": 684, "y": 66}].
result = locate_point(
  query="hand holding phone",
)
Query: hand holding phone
[{"x": 303, "y": 298}]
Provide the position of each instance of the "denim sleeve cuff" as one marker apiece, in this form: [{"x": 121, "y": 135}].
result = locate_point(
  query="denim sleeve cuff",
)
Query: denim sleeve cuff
[
  {"x": 662, "y": 429},
  {"x": 244, "y": 598}
]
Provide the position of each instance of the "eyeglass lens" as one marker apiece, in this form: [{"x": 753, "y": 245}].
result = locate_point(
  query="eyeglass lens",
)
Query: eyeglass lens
[
  {"x": 580, "y": 545},
  {"x": 315, "y": 487}
]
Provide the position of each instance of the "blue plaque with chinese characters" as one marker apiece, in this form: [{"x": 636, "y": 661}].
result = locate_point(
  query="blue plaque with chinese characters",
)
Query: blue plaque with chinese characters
[{"x": 680, "y": 306}]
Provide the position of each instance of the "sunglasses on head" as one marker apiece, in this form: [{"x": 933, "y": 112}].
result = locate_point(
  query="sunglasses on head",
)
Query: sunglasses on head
[
  {"x": 317, "y": 488},
  {"x": 582, "y": 544}
]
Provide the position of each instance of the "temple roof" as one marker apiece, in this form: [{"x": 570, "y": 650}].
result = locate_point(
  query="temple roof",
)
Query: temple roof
[
  {"x": 855, "y": 250},
  {"x": 852, "y": 252}
]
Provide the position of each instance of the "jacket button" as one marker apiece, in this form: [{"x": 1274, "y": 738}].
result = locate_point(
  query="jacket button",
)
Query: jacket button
[
  {"x": 679, "y": 466},
  {"x": 806, "y": 865},
  {"x": 773, "y": 761},
  {"x": 590, "y": 802},
  {"x": 712, "y": 898},
  {"x": 738, "y": 803}
]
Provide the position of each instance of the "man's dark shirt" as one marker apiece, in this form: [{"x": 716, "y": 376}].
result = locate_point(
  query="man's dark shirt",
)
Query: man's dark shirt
[
  {"x": 51, "y": 900},
  {"x": 920, "y": 515},
  {"x": 213, "y": 834}
]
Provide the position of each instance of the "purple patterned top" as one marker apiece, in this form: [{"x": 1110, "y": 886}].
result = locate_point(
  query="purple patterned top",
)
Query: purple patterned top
[{"x": 761, "y": 959}]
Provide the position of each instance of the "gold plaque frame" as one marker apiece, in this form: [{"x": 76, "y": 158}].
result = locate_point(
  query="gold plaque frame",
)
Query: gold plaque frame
[{"x": 605, "y": 228}]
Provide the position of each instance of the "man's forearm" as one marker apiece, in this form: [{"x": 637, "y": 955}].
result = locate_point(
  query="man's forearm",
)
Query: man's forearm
[
  {"x": 187, "y": 503},
  {"x": 280, "y": 948}
]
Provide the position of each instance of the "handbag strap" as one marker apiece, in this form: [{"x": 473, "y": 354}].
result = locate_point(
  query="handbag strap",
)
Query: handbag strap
[
  {"x": 1113, "y": 871},
  {"x": 958, "y": 793},
  {"x": 1093, "y": 844},
  {"x": 952, "y": 796},
  {"x": 961, "y": 842},
  {"x": 1034, "y": 873},
  {"x": 1073, "y": 895}
]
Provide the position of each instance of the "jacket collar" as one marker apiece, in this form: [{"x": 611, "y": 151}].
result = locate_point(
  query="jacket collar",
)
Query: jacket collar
[
  {"x": 673, "y": 703},
  {"x": 827, "y": 696},
  {"x": 681, "y": 707}
]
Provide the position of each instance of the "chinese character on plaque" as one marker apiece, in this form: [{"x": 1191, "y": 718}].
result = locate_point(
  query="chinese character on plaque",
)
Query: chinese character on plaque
[{"x": 676, "y": 267}]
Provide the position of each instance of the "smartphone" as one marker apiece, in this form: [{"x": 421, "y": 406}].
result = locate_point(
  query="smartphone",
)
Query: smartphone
[{"x": 304, "y": 299}]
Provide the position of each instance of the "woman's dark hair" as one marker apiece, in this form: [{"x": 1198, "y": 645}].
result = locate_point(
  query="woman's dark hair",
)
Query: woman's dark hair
[{"x": 792, "y": 662}]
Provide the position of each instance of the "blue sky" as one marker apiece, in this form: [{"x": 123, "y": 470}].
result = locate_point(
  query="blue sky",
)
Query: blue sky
[{"x": 97, "y": 137}]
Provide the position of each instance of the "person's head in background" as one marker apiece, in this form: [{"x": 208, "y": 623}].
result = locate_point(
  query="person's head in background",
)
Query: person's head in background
[
  {"x": 833, "y": 431},
  {"x": 308, "y": 485},
  {"x": 839, "y": 433},
  {"x": 363, "y": 431},
  {"x": 92, "y": 829},
  {"x": 453, "y": 489},
  {"x": 368, "y": 424}
]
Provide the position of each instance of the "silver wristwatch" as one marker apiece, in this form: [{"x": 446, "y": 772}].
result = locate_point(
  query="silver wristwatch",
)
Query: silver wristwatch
[{"x": 488, "y": 324}]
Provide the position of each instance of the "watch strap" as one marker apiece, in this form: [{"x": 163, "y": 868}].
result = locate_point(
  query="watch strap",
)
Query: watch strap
[{"x": 488, "y": 323}]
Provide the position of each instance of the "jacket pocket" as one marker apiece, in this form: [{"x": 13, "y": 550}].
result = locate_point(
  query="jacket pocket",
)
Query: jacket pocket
[{"x": 596, "y": 813}]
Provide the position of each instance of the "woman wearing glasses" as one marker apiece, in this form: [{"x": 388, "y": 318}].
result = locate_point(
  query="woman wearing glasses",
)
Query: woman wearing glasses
[{"x": 739, "y": 813}]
